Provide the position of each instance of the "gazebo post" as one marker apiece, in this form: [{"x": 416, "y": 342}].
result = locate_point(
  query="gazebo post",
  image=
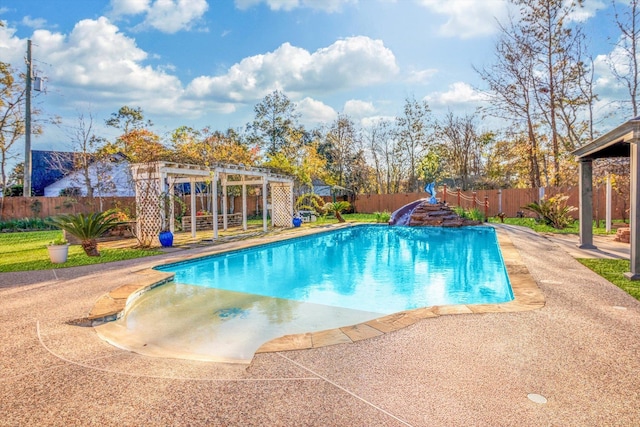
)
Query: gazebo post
[
  {"x": 264, "y": 203},
  {"x": 192, "y": 185},
  {"x": 172, "y": 208},
  {"x": 634, "y": 214},
  {"x": 214, "y": 190},
  {"x": 225, "y": 208},
  {"x": 586, "y": 204},
  {"x": 244, "y": 205}
]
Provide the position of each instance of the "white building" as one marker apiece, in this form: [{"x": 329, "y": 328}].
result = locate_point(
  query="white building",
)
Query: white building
[{"x": 109, "y": 178}]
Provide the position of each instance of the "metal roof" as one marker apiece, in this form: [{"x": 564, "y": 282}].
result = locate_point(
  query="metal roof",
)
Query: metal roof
[{"x": 614, "y": 143}]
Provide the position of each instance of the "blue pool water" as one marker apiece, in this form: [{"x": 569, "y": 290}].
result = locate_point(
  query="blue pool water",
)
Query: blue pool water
[
  {"x": 371, "y": 268},
  {"x": 224, "y": 307}
]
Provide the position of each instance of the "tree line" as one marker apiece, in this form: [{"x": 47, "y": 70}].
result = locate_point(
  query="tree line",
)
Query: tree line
[{"x": 539, "y": 85}]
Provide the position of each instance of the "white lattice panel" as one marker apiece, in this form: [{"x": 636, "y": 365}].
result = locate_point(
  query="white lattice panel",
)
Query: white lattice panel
[
  {"x": 148, "y": 213},
  {"x": 281, "y": 205}
]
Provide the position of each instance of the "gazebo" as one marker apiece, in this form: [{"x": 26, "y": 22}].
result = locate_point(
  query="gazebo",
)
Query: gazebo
[
  {"x": 622, "y": 141},
  {"x": 156, "y": 181}
]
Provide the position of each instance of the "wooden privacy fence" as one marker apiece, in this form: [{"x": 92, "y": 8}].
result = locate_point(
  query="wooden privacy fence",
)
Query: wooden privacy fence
[
  {"x": 509, "y": 201},
  {"x": 42, "y": 207}
]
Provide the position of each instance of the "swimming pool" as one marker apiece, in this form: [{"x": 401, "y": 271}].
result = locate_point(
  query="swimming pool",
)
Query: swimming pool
[
  {"x": 373, "y": 268},
  {"x": 231, "y": 303}
]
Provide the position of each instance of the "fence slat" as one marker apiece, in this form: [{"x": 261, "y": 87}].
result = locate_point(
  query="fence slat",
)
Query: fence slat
[{"x": 513, "y": 200}]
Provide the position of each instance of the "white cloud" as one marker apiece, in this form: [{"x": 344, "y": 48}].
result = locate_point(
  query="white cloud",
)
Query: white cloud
[
  {"x": 34, "y": 22},
  {"x": 314, "y": 112},
  {"x": 129, "y": 7},
  {"x": 287, "y": 5},
  {"x": 421, "y": 76},
  {"x": 468, "y": 18},
  {"x": 459, "y": 93},
  {"x": 352, "y": 62},
  {"x": 96, "y": 60},
  {"x": 12, "y": 48},
  {"x": 358, "y": 109},
  {"x": 588, "y": 10},
  {"x": 167, "y": 16},
  {"x": 171, "y": 16}
]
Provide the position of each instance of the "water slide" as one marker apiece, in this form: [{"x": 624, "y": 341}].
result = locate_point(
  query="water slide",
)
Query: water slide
[{"x": 403, "y": 215}]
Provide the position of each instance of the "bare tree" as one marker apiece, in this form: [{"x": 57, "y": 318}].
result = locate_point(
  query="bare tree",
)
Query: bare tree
[
  {"x": 386, "y": 156},
  {"x": 511, "y": 82},
  {"x": 460, "y": 148},
  {"x": 623, "y": 60},
  {"x": 539, "y": 75},
  {"x": 92, "y": 172},
  {"x": 12, "y": 94},
  {"x": 341, "y": 148},
  {"x": 413, "y": 133}
]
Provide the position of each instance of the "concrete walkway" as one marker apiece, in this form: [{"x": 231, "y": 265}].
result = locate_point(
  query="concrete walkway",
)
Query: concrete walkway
[{"x": 579, "y": 352}]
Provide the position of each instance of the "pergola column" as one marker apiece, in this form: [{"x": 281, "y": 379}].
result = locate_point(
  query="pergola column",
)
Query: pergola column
[
  {"x": 634, "y": 214},
  {"x": 586, "y": 204},
  {"x": 192, "y": 186},
  {"x": 264, "y": 205},
  {"x": 244, "y": 205},
  {"x": 214, "y": 190},
  {"x": 224, "y": 202}
]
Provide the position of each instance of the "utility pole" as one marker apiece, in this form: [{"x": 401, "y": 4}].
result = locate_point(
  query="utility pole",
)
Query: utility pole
[{"x": 26, "y": 191}]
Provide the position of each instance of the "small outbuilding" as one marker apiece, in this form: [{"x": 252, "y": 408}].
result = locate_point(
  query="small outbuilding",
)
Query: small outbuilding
[{"x": 622, "y": 141}]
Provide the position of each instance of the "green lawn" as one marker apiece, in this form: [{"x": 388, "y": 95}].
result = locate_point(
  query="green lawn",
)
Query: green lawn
[
  {"x": 612, "y": 270},
  {"x": 27, "y": 251},
  {"x": 542, "y": 228}
]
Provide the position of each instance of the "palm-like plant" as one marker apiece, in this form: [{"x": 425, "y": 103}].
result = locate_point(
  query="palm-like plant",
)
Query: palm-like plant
[
  {"x": 336, "y": 208},
  {"x": 87, "y": 228},
  {"x": 553, "y": 211}
]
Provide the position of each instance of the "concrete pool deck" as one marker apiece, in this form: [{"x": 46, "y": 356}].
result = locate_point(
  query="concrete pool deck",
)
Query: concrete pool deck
[{"x": 579, "y": 351}]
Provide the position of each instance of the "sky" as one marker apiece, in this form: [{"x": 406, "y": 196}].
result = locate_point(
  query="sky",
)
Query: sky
[{"x": 207, "y": 63}]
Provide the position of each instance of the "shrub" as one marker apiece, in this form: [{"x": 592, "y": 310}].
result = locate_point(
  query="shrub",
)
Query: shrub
[
  {"x": 475, "y": 214},
  {"x": 382, "y": 216},
  {"x": 553, "y": 211},
  {"x": 459, "y": 211},
  {"x": 24, "y": 224}
]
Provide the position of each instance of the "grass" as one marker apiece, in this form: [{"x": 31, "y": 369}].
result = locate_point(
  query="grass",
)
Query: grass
[
  {"x": 27, "y": 251},
  {"x": 612, "y": 270},
  {"x": 543, "y": 228}
]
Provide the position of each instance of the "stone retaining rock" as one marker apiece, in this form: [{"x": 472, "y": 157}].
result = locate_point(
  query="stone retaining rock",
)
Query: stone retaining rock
[{"x": 437, "y": 215}]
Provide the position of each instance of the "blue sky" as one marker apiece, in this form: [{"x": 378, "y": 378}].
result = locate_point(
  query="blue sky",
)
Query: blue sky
[{"x": 208, "y": 62}]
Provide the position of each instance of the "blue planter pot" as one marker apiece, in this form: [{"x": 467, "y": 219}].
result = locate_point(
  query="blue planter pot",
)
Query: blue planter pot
[
  {"x": 297, "y": 222},
  {"x": 166, "y": 239}
]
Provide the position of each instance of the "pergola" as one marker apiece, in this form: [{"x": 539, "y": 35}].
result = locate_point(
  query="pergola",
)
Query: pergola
[
  {"x": 622, "y": 141},
  {"x": 157, "y": 180}
]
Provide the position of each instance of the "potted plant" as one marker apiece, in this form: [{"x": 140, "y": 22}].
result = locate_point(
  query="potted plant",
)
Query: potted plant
[
  {"x": 87, "y": 228},
  {"x": 166, "y": 238},
  {"x": 58, "y": 250},
  {"x": 297, "y": 220}
]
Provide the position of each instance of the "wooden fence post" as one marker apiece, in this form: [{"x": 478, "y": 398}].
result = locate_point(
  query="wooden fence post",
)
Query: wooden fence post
[
  {"x": 474, "y": 202},
  {"x": 486, "y": 208},
  {"x": 444, "y": 193},
  {"x": 459, "y": 197}
]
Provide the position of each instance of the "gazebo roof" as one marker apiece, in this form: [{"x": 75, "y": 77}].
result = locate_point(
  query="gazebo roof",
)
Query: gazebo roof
[{"x": 614, "y": 143}]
